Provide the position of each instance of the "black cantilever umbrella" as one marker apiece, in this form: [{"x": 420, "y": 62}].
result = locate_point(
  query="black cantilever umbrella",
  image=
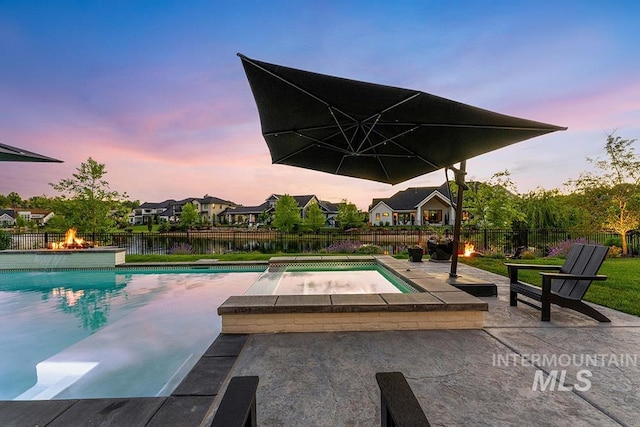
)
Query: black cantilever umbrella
[
  {"x": 366, "y": 130},
  {"x": 14, "y": 154}
]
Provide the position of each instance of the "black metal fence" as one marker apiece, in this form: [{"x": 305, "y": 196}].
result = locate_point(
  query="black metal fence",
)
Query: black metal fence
[{"x": 391, "y": 241}]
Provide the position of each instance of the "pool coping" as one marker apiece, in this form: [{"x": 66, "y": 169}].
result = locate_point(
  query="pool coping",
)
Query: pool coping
[{"x": 438, "y": 305}]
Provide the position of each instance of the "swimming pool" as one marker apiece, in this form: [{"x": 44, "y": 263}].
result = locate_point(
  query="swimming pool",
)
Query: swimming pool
[
  {"x": 328, "y": 278},
  {"x": 137, "y": 333},
  {"x": 86, "y": 334}
]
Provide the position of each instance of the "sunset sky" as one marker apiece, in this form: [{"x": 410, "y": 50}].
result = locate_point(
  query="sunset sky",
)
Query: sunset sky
[{"x": 154, "y": 89}]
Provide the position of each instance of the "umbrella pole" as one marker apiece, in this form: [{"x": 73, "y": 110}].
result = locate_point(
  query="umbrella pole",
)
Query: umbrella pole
[{"x": 459, "y": 178}]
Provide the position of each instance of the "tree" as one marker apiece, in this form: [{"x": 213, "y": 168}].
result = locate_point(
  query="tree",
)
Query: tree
[
  {"x": 189, "y": 215},
  {"x": 614, "y": 192},
  {"x": 494, "y": 203},
  {"x": 39, "y": 202},
  {"x": 87, "y": 201},
  {"x": 315, "y": 217},
  {"x": 265, "y": 218},
  {"x": 287, "y": 214},
  {"x": 544, "y": 209},
  {"x": 349, "y": 216},
  {"x": 14, "y": 199}
]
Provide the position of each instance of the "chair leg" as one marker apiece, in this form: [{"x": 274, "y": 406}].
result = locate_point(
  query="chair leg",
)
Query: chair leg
[
  {"x": 545, "y": 299},
  {"x": 546, "y": 311},
  {"x": 513, "y": 298},
  {"x": 590, "y": 311}
]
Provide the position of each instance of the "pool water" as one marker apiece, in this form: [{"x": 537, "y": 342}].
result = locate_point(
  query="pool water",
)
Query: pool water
[
  {"x": 85, "y": 334},
  {"x": 136, "y": 333},
  {"x": 319, "y": 278}
]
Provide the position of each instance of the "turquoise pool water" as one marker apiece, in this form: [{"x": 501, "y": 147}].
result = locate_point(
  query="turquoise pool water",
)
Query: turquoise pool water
[
  {"x": 328, "y": 278},
  {"x": 85, "y": 334},
  {"x": 136, "y": 333}
]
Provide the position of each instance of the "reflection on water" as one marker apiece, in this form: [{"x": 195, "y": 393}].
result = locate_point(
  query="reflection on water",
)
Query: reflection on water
[
  {"x": 91, "y": 306},
  {"x": 290, "y": 281},
  {"x": 139, "y": 331},
  {"x": 88, "y": 298}
]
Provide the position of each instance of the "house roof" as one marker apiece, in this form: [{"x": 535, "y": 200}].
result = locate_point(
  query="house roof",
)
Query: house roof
[
  {"x": 215, "y": 200},
  {"x": 168, "y": 212},
  {"x": 329, "y": 207},
  {"x": 8, "y": 212},
  {"x": 157, "y": 205},
  {"x": 410, "y": 198},
  {"x": 249, "y": 209},
  {"x": 302, "y": 201},
  {"x": 171, "y": 202}
]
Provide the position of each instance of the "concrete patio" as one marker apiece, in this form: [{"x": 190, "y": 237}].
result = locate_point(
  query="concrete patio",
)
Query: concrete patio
[{"x": 460, "y": 377}]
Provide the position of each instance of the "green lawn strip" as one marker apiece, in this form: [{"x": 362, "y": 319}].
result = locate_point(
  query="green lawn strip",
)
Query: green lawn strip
[
  {"x": 621, "y": 290},
  {"x": 244, "y": 256}
]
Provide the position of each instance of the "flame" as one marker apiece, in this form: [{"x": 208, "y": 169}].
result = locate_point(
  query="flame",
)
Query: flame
[
  {"x": 70, "y": 241},
  {"x": 468, "y": 249}
]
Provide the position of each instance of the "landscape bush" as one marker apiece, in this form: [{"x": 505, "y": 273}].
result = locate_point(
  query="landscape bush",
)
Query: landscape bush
[
  {"x": 613, "y": 241},
  {"x": 492, "y": 252},
  {"x": 561, "y": 249},
  {"x": 614, "y": 252},
  {"x": 369, "y": 250},
  {"x": 344, "y": 247},
  {"x": 5, "y": 240},
  {"x": 181, "y": 249}
]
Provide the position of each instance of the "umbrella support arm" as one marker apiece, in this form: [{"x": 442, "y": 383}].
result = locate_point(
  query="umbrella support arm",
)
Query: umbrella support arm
[{"x": 459, "y": 177}]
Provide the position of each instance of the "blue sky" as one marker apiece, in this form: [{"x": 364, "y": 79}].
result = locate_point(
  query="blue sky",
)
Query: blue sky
[{"x": 154, "y": 89}]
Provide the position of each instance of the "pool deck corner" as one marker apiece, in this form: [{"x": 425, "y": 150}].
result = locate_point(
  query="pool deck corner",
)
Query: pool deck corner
[{"x": 438, "y": 306}]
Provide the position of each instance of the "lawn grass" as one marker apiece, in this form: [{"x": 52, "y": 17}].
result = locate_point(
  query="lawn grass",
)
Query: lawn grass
[
  {"x": 239, "y": 256},
  {"x": 621, "y": 290}
]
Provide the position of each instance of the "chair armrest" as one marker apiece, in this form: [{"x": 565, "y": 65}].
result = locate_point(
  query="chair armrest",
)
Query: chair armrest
[
  {"x": 532, "y": 266},
  {"x": 573, "y": 276},
  {"x": 547, "y": 277},
  {"x": 513, "y": 269}
]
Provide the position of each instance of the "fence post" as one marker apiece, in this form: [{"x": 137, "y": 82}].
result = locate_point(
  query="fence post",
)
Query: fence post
[{"x": 484, "y": 239}]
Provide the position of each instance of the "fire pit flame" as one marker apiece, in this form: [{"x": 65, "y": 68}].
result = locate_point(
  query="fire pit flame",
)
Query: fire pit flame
[
  {"x": 71, "y": 241},
  {"x": 468, "y": 249}
]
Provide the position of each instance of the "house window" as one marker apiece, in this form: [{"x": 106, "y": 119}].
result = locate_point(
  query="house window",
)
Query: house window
[
  {"x": 404, "y": 219},
  {"x": 385, "y": 214},
  {"x": 378, "y": 216},
  {"x": 432, "y": 216}
]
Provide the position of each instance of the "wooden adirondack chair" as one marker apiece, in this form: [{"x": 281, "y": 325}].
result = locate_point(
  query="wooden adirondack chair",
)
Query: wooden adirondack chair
[{"x": 564, "y": 288}]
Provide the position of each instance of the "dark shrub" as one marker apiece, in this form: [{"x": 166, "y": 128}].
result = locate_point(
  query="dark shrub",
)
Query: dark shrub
[
  {"x": 5, "y": 240},
  {"x": 181, "y": 249}
]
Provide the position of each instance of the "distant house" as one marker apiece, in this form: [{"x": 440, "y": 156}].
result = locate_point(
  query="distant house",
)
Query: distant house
[
  {"x": 8, "y": 217},
  {"x": 209, "y": 208},
  {"x": 250, "y": 214},
  {"x": 414, "y": 206},
  {"x": 149, "y": 210},
  {"x": 39, "y": 216}
]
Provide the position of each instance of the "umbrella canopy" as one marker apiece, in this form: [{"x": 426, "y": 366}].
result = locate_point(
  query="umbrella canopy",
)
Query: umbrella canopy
[
  {"x": 376, "y": 132},
  {"x": 14, "y": 154},
  {"x": 371, "y": 131}
]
